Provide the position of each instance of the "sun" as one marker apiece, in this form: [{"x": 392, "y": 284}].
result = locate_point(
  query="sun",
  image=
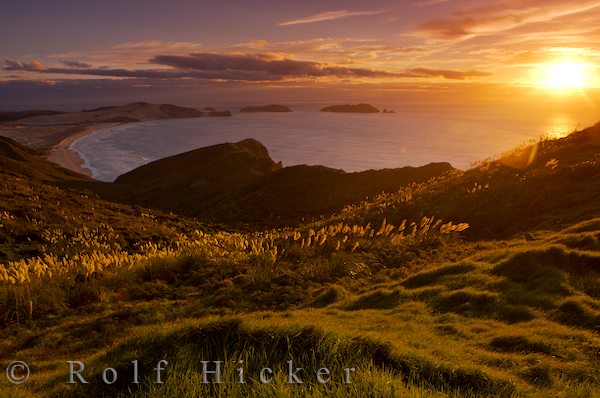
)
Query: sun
[{"x": 565, "y": 75}]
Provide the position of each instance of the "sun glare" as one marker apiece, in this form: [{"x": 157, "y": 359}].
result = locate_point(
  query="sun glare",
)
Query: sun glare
[{"x": 565, "y": 75}]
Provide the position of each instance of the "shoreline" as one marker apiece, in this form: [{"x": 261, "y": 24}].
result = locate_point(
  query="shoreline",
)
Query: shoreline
[{"x": 64, "y": 156}]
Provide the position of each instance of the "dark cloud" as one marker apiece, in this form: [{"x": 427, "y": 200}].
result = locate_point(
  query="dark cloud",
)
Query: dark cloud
[
  {"x": 262, "y": 65},
  {"x": 35, "y": 66},
  {"x": 76, "y": 64},
  {"x": 243, "y": 68},
  {"x": 278, "y": 69}
]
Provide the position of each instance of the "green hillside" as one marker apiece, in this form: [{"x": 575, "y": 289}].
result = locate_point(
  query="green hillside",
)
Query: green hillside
[{"x": 478, "y": 283}]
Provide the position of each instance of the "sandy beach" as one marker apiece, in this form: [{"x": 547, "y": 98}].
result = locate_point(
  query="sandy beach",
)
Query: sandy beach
[{"x": 63, "y": 155}]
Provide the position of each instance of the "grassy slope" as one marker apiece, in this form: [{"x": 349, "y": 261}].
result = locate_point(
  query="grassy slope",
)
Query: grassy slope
[
  {"x": 33, "y": 200},
  {"x": 427, "y": 316}
]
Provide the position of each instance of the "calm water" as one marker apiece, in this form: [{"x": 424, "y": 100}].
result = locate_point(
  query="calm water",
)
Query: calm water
[{"x": 352, "y": 142}]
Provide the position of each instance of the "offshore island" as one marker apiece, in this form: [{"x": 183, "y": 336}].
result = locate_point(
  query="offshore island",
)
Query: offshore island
[{"x": 360, "y": 108}]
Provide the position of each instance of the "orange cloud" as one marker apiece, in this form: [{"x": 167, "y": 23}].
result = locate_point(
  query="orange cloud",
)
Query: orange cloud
[
  {"x": 445, "y": 73},
  {"x": 33, "y": 66},
  {"x": 498, "y": 17},
  {"x": 329, "y": 16}
]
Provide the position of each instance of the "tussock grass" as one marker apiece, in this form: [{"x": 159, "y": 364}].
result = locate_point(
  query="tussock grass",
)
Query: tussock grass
[
  {"x": 327, "y": 297},
  {"x": 379, "y": 299},
  {"x": 430, "y": 277},
  {"x": 231, "y": 340},
  {"x": 521, "y": 344}
]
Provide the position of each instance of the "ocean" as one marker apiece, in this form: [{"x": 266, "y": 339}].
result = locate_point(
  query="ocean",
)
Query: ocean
[{"x": 352, "y": 142}]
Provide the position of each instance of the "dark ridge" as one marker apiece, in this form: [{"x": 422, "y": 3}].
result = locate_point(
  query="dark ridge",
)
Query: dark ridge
[
  {"x": 101, "y": 108},
  {"x": 121, "y": 119},
  {"x": 301, "y": 193},
  {"x": 12, "y": 116},
  {"x": 173, "y": 111},
  {"x": 104, "y": 108},
  {"x": 11, "y": 150}
]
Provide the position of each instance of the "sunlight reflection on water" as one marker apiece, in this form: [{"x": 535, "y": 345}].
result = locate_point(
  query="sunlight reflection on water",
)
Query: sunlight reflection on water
[{"x": 560, "y": 126}]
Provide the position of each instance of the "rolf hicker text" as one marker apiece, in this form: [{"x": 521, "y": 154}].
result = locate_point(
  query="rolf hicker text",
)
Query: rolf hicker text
[{"x": 212, "y": 373}]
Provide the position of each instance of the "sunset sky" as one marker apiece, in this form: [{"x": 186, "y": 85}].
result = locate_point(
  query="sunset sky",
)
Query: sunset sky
[{"x": 65, "y": 51}]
